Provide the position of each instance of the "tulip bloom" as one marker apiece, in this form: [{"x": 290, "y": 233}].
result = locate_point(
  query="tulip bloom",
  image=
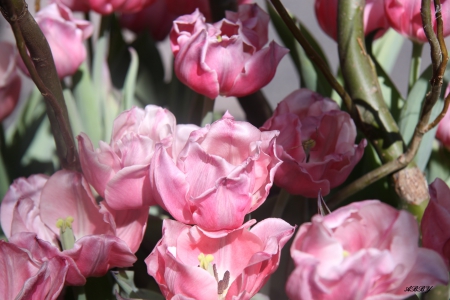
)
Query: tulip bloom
[
  {"x": 119, "y": 171},
  {"x": 65, "y": 35},
  {"x": 443, "y": 131},
  {"x": 221, "y": 59},
  {"x": 24, "y": 277},
  {"x": 189, "y": 263},
  {"x": 366, "y": 250},
  {"x": 436, "y": 220},
  {"x": 316, "y": 143},
  {"x": 50, "y": 207},
  {"x": 10, "y": 82},
  {"x": 105, "y": 7},
  {"x": 374, "y": 17},
  {"x": 224, "y": 172},
  {"x": 404, "y": 17}
]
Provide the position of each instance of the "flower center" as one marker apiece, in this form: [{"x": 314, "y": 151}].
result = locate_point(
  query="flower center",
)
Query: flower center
[
  {"x": 307, "y": 146},
  {"x": 345, "y": 253},
  {"x": 219, "y": 38},
  {"x": 65, "y": 232},
  {"x": 205, "y": 263}
]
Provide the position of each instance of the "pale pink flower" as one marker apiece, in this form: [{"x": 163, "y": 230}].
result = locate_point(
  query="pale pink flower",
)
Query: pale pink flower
[
  {"x": 404, "y": 17},
  {"x": 217, "y": 59},
  {"x": 65, "y": 35},
  {"x": 365, "y": 250},
  {"x": 224, "y": 172},
  {"x": 66, "y": 195},
  {"x": 316, "y": 143},
  {"x": 436, "y": 220},
  {"x": 24, "y": 277},
  {"x": 190, "y": 263},
  {"x": 10, "y": 82},
  {"x": 119, "y": 171},
  {"x": 443, "y": 130},
  {"x": 374, "y": 17}
]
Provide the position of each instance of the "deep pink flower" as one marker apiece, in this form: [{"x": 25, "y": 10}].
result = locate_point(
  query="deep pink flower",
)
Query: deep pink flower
[
  {"x": 65, "y": 35},
  {"x": 404, "y": 17},
  {"x": 217, "y": 59},
  {"x": 10, "y": 82},
  {"x": 224, "y": 172},
  {"x": 316, "y": 143},
  {"x": 24, "y": 277},
  {"x": 374, "y": 17},
  {"x": 119, "y": 171},
  {"x": 105, "y": 7},
  {"x": 185, "y": 261},
  {"x": 436, "y": 220},
  {"x": 65, "y": 195},
  {"x": 443, "y": 131},
  {"x": 365, "y": 250}
]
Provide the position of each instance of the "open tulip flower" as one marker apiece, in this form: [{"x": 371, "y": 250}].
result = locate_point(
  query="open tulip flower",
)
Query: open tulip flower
[
  {"x": 119, "y": 171},
  {"x": 436, "y": 220},
  {"x": 190, "y": 263},
  {"x": 365, "y": 250},
  {"x": 224, "y": 58},
  {"x": 224, "y": 172},
  {"x": 61, "y": 210},
  {"x": 316, "y": 143}
]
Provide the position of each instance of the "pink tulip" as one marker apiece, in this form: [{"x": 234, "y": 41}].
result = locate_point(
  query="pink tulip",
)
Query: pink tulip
[
  {"x": 365, "y": 250},
  {"x": 404, "y": 17},
  {"x": 105, "y": 7},
  {"x": 10, "y": 82},
  {"x": 24, "y": 278},
  {"x": 374, "y": 17},
  {"x": 443, "y": 131},
  {"x": 436, "y": 221},
  {"x": 224, "y": 172},
  {"x": 316, "y": 143},
  {"x": 66, "y": 195},
  {"x": 190, "y": 263},
  {"x": 254, "y": 24},
  {"x": 119, "y": 171},
  {"x": 65, "y": 35},
  {"x": 217, "y": 59}
]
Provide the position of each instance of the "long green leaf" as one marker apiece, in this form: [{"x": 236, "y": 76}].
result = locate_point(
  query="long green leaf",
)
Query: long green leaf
[
  {"x": 88, "y": 103},
  {"x": 130, "y": 81},
  {"x": 76, "y": 121}
]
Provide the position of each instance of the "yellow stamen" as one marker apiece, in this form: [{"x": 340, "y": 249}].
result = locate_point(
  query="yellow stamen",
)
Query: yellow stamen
[
  {"x": 346, "y": 253},
  {"x": 64, "y": 224},
  {"x": 307, "y": 146},
  {"x": 205, "y": 260},
  {"x": 219, "y": 38}
]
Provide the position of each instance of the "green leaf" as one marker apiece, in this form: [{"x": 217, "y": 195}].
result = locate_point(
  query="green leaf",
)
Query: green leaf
[
  {"x": 125, "y": 279},
  {"x": 130, "y": 81},
  {"x": 387, "y": 48},
  {"x": 88, "y": 103},
  {"x": 439, "y": 164},
  {"x": 310, "y": 76},
  {"x": 409, "y": 117},
  {"x": 391, "y": 95},
  {"x": 76, "y": 122}
]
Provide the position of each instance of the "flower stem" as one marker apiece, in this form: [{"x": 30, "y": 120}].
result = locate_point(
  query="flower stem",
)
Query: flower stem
[
  {"x": 414, "y": 70},
  {"x": 280, "y": 204}
]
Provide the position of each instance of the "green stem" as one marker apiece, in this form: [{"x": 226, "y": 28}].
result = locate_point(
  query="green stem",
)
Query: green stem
[
  {"x": 414, "y": 70},
  {"x": 4, "y": 183},
  {"x": 280, "y": 205},
  {"x": 256, "y": 107},
  {"x": 79, "y": 292}
]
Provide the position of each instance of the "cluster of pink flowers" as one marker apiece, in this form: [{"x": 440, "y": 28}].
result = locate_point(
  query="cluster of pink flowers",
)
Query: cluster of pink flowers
[{"x": 379, "y": 15}]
